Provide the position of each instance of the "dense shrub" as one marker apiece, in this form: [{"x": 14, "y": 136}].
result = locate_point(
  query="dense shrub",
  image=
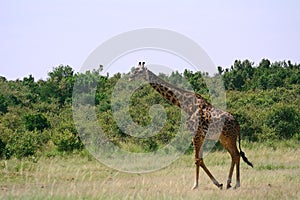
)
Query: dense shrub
[
  {"x": 2, "y": 149},
  {"x": 285, "y": 121},
  {"x": 3, "y": 104},
  {"x": 66, "y": 141},
  {"x": 247, "y": 126},
  {"x": 36, "y": 121},
  {"x": 36, "y": 116},
  {"x": 22, "y": 144}
]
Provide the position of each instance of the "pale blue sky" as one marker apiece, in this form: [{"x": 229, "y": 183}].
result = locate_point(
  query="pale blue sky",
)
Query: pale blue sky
[{"x": 36, "y": 36}]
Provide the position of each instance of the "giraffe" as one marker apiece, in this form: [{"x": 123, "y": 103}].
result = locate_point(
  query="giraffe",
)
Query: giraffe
[{"x": 204, "y": 120}]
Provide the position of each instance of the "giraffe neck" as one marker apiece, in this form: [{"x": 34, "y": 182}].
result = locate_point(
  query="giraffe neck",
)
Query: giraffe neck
[{"x": 185, "y": 100}]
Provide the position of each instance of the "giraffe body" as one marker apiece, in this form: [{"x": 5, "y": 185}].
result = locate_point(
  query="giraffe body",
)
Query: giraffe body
[{"x": 204, "y": 121}]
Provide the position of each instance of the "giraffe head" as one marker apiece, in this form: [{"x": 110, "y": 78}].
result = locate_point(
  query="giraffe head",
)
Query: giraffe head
[{"x": 140, "y": 72}]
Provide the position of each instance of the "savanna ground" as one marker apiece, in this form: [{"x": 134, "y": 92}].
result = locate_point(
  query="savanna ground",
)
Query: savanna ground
[{"x": 276, "y": 175}]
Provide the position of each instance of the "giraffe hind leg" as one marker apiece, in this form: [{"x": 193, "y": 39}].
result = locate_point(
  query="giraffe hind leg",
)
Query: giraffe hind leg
[
  {"x": 230, "y": 174},
  {"x": 231, "y": 147},
  {"x": 237, "y": 162}
]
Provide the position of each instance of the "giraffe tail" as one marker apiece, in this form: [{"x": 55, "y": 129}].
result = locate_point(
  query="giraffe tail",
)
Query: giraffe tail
[{"x": 245, "y": 159}]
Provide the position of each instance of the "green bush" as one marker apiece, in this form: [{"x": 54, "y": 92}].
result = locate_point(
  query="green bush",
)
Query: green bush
[
  {"x": 2, "y": 149},
  {"x": 3, "y": 104},
  {"x": 36, "y": 116},
  {"x": 36, "y": 121},
  {"x": 284, "y": 119},
  {"x": 66, "y": 141},
  {"x": 268, "y": 134},
  {"x": 22, "y": 144},
  {"x": 247, "y": 126}
]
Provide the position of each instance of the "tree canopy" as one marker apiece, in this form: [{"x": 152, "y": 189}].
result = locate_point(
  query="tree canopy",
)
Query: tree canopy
[{"x": 36, "y": 115}]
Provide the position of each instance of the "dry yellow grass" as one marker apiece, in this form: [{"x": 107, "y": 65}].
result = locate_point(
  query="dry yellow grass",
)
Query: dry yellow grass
[{"x": 276, "y": 175}]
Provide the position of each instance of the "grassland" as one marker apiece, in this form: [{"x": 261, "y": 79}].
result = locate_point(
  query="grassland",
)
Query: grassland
[{"x": 276, "y": 175}]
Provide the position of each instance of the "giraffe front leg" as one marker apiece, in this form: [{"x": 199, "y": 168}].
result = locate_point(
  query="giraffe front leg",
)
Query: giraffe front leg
[
  {"x": 212, "y": 178},
  {"x": 197, "y": 142},
  {"x": 197, "y": 163}
]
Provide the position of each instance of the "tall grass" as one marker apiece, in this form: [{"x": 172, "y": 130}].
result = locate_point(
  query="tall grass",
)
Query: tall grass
[{"x": 276, "y": 175}]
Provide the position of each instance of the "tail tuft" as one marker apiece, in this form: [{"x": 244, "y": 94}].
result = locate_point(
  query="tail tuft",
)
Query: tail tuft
[{"x": 246, "y": 159}]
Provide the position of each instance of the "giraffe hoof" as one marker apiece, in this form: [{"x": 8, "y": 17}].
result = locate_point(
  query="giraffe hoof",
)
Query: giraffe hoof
[
  {"x": 194, "y": 187},
  {"x": 220, "y": 186},
  {"x": 236, "y": 187},
  {"x": 228, "y": 186}
]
